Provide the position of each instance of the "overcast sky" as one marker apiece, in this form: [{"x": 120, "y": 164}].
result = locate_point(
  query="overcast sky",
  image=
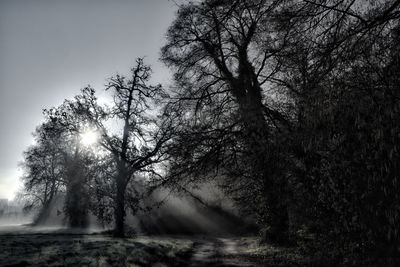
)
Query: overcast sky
[{"x": 49, "y": 49}]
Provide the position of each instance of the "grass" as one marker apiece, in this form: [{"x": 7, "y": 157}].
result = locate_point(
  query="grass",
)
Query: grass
[
  {"x": 92, "y": 250},
  {"x": 100, "y": 250}
]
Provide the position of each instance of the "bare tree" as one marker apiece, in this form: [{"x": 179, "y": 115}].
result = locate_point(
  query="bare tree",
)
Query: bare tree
[
  {"x": 58, "y": 163},
  {"x": 223, "y": 55},
  {"x": 138, "y": 147},
  {"x": 43, "y": 174}
]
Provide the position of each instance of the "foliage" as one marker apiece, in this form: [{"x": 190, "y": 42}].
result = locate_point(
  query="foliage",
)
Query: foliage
[
  {"x": 344, "y": 79},
  {"x": 229, "y": 124},
  {"x": 295, "y": 104}
]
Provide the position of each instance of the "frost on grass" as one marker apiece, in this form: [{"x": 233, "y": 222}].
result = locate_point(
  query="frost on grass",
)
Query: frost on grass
[
  {"x": 92, "y": 250},
  {"x": 266, "y": 254}
]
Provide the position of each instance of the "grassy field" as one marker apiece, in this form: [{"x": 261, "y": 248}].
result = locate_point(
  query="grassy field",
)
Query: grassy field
[
  {"x": 91, "y": 250},
  {"x": 63, "y": 248}
]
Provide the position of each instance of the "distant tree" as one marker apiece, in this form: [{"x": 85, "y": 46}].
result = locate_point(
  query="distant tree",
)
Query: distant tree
[
  {"x": 43, "y": 174},
  {"x": 138, "y": 148},
  {"x": 78, "y": 161},
  {"x": 102, "y": 188},
  {"x": 58, "y": 162}
]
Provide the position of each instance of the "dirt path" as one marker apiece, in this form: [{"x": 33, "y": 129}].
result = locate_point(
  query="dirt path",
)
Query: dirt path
[{"x": 217, "y": 252}]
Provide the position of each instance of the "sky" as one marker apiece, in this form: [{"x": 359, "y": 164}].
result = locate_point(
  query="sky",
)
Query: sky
[{"x": 50, "y": 49}]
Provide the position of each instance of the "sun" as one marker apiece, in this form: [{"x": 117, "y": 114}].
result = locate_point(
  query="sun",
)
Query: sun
[{"x": 89, "y": 137}]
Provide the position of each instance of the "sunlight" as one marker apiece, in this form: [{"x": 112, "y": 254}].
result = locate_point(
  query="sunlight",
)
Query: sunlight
[{"x": 89, "y": 137}]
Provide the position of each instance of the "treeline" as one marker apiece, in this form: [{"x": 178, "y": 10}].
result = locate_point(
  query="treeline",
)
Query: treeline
[
  {"x": 291, "y": 106},
  {"x": 99, "y": 156}
]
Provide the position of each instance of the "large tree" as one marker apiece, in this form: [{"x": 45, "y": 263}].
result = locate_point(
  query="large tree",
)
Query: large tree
[
  {"x": 222, "y": 55},
  {"x": 136, "y": 147},
  {"x": 263, "y": 82}
]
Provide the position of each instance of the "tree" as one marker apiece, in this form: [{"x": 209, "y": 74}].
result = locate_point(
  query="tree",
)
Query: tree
[
  {"x": 341, "y": 66},
  {"x": 138, "y": 148},
  {"x": 56, "y": 164},
  {"x": 222, "y": 56},
  {"x": 291, "y": 88},
  {"x": 78, "y": 161},
  {"x": 43, "y": 174},
  {"x": 58, "y": 161}
]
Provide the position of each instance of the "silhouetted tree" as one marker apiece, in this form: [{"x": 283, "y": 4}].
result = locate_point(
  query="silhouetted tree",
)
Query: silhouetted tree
[
  {"x": 341, "y": 67},
  {"x": 43, "y": 173},
  {"x": 221, "y": 53},
  {"x": 303, "y": 95},
  {"x": 58, "y": 164},
  {"x": 77, "y": 161},
  {"x": 137, "y": 149}
]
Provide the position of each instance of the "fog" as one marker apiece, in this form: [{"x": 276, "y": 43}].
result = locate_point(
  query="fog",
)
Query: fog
[
  {"x": 168, "y": 214},
  {"x": 12, "y": 214}
]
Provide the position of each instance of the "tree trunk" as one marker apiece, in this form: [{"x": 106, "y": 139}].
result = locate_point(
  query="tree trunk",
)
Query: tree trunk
[
  {"x": 265, "y": 161},
  {"x": 43, "y": 213},
  {"x": 119, "y": 211},
  {"x": 76, "y": 202}
]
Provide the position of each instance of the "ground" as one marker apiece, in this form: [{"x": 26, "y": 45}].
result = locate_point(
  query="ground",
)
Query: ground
[{"x": 23, "y": 247}]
